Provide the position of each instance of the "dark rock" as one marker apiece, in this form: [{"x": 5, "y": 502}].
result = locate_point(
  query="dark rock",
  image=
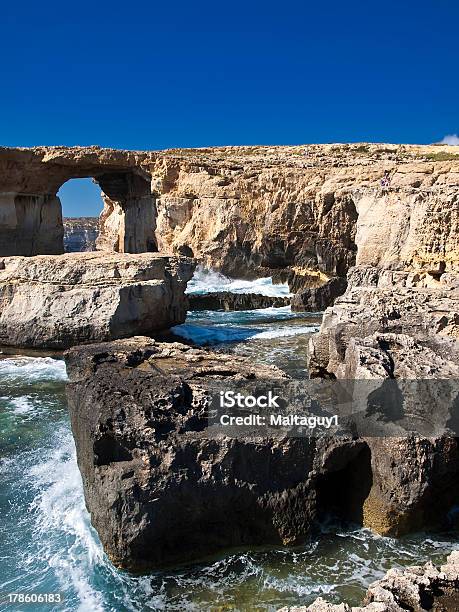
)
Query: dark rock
[
  {"x": 160, "y": 489},
  {"x": 225, "y": 300},
  {"x": 163, "y": 487},
  {"x": 317, "y": 299}
]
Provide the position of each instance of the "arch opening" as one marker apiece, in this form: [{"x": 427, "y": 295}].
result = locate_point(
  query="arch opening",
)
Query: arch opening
[{"x": 82, "y": 205}]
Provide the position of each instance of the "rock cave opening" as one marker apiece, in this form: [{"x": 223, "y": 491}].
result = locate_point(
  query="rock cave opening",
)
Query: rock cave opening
[{"x": 341, "y": 493}]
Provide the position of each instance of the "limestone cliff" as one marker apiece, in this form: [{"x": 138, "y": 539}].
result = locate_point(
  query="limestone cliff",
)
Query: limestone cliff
[
  {"x": 80, "y": 234},
  {"x": 315, "y": 210}
]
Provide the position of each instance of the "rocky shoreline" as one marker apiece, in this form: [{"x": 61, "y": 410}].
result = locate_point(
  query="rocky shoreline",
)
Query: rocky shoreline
[
  {"x": 161, "y": 486},
  {"x": 416, "y": 588}
]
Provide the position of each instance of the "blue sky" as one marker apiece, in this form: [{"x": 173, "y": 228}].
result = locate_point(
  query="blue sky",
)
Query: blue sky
[{"x": 151, "y": 75}]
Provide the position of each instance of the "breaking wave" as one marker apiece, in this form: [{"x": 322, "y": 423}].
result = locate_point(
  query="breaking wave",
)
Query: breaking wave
[{"x": 210, "y": 281}]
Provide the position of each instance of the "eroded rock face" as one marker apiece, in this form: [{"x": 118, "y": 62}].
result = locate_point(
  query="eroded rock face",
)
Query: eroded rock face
[
  {"x": 157, "y": 489},
  {"x": 390, "y": 324},
  {"x": 317, "y": 299},
  {"x": 241, "y": 209},
  {"x": 416, "y": 588},
  {"x": 402, "y": 325},
  {"x": 58, "y": 301}
]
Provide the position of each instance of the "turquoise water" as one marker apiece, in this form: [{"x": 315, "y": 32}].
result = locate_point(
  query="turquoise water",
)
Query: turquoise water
[
  {"x": 276, "y": 336},
  {"x": 48, "y": 544}
]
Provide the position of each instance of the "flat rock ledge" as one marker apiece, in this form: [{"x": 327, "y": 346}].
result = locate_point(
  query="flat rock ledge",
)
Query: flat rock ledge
[
  {"x": 225, "y": 300},
  {"x": 57, "y": 301},
  {"x": 417, "y": 589}
]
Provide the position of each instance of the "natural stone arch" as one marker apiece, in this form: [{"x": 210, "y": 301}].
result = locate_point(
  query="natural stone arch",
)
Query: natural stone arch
[{"x": 31, "y": 212}]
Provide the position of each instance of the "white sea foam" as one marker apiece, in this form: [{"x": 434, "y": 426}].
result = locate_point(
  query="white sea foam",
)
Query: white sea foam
[
  {"x": 60, "y": 516},
  {"x": 32, "y": 369},
  {"x": 210, "y": 281},
  {"x": 284, "y": 332},
  {"x": 20, "y": 405}
]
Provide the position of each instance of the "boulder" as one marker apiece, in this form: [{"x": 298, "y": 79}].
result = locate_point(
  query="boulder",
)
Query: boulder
[
  {"x": 163, "y": 488},
  {"x": 61, "y": 300},
  {"x": 317, "y": 299}
]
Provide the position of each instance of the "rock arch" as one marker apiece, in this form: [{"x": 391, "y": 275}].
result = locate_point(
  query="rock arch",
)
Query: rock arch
[{"x": 31, "y": 212}]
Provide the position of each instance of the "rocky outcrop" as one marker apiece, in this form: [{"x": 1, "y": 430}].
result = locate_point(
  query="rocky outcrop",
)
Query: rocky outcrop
[
  {"x": 240, "y": 209},
  {"x": 158, "y": 489},
  {"x": 80, "y": 234},
  {"x": 390, "y": 324},
  {"x": 62, "y": 300},
  {"x": 319, "y": 298},
  {"x": 417, "y": 588},
  {"x": 399, "y": 325},
  {"x": 225, "y": 300},
  {"x": 164, "y": 485}
]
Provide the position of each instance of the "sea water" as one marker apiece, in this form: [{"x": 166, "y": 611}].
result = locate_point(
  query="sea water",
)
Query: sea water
[{"x": 48, "y": 544}]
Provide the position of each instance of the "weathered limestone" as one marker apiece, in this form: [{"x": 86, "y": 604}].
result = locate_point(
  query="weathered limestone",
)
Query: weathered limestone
[
  {"x": 317, "y": 299},
  {"x": 62, "y": 300},
  {"x": 390, "y": 324},
  {"x": 402, "y": 325},
  {"x": 30, "y": 224},
  {"x": 416, "y": 588},
  {"x": 242, "y": 209}
]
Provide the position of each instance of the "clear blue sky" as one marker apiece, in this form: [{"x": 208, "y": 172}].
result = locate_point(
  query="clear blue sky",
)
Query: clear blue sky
[{"x": 150, "y": 75}]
